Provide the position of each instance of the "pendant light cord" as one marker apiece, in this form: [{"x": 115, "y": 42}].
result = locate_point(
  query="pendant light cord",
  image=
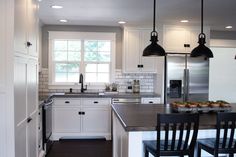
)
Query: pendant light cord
[
  {"x": 154, "y": 16},
  {"x": 201, "y": 16}
]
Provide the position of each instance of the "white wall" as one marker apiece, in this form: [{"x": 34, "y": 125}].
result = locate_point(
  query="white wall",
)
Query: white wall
[
  {"x": 6, "y": 79},
  {"x": 222, "y": 76}
]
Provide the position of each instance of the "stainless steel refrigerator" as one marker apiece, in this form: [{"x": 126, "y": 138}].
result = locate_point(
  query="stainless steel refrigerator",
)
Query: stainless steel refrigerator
[{"x": 187, "y": 78}]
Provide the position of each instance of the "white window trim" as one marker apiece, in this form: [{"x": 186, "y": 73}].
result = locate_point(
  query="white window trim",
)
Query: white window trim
[{"x": 84, "y": 36}]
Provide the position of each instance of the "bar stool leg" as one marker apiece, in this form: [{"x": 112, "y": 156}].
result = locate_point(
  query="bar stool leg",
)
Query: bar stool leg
[
  {"x": 146, "y": 152},
  {"x": 199, "y": 150}
]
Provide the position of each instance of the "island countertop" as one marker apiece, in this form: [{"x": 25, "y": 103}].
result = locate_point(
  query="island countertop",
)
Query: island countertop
[{"x": 142, "y": 117}]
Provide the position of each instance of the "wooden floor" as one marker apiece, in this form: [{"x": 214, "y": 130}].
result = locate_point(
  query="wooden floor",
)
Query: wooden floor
[{"x": 81, "y": 148}]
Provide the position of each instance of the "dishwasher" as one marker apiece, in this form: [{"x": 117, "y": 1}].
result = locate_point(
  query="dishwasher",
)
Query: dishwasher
[{"x": 126, "y": 101}]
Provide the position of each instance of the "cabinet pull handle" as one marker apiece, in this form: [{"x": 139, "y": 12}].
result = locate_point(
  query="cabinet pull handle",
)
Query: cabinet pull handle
[
  {"x": 95, "y": 102},
  {"x": 150, "y": 102},
  {"x": 67, "y": 102},
  {"x": 29, "y": 119},
  {"x": 28, "y": 44},
  {"x": 79, "y": 113},
  {"x": 83, "y": 113},
  {"x": 141, "y": 66}
]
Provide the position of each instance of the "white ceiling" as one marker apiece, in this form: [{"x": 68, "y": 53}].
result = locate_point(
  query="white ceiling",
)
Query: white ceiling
[{"x": 218, "y": 13}]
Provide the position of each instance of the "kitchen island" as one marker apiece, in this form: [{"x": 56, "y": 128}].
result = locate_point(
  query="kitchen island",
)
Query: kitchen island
[{"x": 134, "y": 123}]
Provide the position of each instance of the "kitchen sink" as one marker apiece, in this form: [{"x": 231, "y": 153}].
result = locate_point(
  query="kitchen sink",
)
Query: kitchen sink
[{"x": 85, "y": 93}]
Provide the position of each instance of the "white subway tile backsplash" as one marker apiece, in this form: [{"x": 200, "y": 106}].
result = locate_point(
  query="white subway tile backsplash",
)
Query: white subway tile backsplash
[{"x": 122, "y": 79}]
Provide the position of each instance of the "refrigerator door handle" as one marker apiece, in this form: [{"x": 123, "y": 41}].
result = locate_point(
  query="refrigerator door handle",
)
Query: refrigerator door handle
[{"x": 186, "y": 85}]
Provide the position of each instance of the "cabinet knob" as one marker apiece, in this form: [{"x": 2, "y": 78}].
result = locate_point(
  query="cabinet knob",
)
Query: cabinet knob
[
  {"x": 79, "y": 113},
  {"x": 28, "y": 44},
  {"x": 186, "y": 45},
  {"x": 83, "y": 113},
  {"x": 29, "y": 120},
  {"x": 150, "y": 102},
  {"x": 67, "y": 102},
  {"x": 95, "y": 102}
]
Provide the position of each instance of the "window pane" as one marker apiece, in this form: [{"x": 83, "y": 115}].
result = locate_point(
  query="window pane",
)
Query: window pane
[
  {"x": 60, "y": 55},
  {"x": 104, "y": 56},
  {"x": 74, "y": 56},
  {"x": 61, "y": 77},
  {"x": 60, "y": 45},
  {"x": 90, "y": 45},
  {"x": 91, "y": 68},
  {"x": 73, "y": 77},
  {"x": 104, "y": 46},
  {"x": 90, "y": 56},
  {"x": 61, "y": 67},
  {"x": 74, "y": 45},
  {"x": 103, "y": 68},
  {"x": 73, "y": 67},
  {"x": 103, "y": 77},
  {"x": 90, "y": 77}
]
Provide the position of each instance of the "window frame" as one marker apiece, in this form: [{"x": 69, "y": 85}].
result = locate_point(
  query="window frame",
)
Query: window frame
[{"x": 82, "y": 36}]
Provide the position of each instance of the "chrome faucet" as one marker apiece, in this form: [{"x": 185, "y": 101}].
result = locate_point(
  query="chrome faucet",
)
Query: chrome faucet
[{"x": 81, "y": 80}]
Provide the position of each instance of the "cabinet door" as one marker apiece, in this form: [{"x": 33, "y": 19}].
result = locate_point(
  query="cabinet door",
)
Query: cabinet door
[
  {"x": 32, "y": 6},
  {"x": 149, "y": 63},
  {"x": 175, "y": 38},
  {"x": 131, "y": 51},
  {"x": 20, "y": 86},
  {"x": 96, "y": 120},
  {"x": 32, "y": 136},
  {"x": 66, "y": 119},
  {"x": 21, "y": 140},
  {"x": 20, "y": 26},
  {"x": 32, "y": 86}
]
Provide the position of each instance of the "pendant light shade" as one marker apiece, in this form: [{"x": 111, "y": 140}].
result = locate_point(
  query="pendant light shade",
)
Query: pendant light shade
[
  {"x": 201, "y": 49},
  {"x": 154, "y": 49}
]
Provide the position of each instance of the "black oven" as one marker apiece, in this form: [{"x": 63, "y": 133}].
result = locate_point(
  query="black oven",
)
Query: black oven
[{"x": 47, "y": 125}]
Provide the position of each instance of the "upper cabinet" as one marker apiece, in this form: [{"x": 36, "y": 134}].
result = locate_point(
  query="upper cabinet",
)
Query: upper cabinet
[
  {"x": 135, "y": 41},
  {"x": 26, "y": 27},
  {"x": 180, "y": 39}
]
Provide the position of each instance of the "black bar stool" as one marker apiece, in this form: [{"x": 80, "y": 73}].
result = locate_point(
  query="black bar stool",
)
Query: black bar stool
[
  {"x": 224, "y": 143},
  {"x": 180, "y": 126}
]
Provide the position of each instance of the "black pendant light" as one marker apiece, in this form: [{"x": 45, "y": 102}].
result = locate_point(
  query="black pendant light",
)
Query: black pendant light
[
  {"x": 201, "y": 49},
  {"x": 154, "y": 49}
]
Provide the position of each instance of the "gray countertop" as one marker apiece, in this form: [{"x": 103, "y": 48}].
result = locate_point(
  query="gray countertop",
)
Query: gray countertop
[
  {"x": 142, "y": 117},
  {"x": 94, "y": 95}
]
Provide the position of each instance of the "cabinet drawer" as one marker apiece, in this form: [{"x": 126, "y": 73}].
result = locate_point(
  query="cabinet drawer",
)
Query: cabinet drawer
[
  {"x": 151, "y": 100},
  {"x": 66, "y": 101},
  {"x": 96, "y": 102}
]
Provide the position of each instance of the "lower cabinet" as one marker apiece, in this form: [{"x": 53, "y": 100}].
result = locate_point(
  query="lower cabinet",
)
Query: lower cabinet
[
  {"x": 84, "y": 118},
  {"x": 26, "y": 137}
]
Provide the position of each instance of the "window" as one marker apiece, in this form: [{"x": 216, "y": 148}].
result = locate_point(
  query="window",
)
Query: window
[{"x": 72, "y": 53}]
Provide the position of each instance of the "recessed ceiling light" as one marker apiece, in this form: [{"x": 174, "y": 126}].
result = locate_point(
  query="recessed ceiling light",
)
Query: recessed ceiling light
[
  {"x": 63, "y": 21},
  {"x": 229, "y": 27},
  {"x": 121, "y": 22},
  {"x": 56, "y": 7},
  {"x": 184, "y": 21}
]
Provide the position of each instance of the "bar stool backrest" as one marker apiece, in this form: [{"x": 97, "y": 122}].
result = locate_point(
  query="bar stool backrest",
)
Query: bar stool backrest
[
  {"x": 225, "y": 131},
  {"x": 179, "y": 126}
]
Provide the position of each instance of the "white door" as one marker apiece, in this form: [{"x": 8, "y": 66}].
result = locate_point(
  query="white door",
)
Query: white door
[
  {"x": 20, "y": 26},
  {"x": 149, "y": 63},
  {"x": 222, "y": 75},
  {"x": 66, "y": 120},
  {"x": 32, "y": 86},
  {"x": 131, "y": 51},
  {"x": 32, "y": 136},
  {"x": 96, "y": 120},
  {"x": 33, "y": 27},
  {"x": 21, "y": 139}
]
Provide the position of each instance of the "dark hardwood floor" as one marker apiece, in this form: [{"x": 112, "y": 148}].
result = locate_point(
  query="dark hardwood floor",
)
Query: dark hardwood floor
[{"x": 81, "y": 148}]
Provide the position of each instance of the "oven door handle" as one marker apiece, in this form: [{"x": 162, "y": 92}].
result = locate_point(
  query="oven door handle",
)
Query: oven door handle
[{"x": 49, "y": 103}]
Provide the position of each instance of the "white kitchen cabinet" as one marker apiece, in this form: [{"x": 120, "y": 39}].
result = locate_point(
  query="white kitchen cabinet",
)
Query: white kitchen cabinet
[
  {"x": 26, "y": 117},
  {"x": 180, "y": 39},
  {"x": 135, "y": 40},
  {"x": 85, "y": 117},
  {"x": 66, "y": 120},
  {"x": 26, "y": 27}
]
